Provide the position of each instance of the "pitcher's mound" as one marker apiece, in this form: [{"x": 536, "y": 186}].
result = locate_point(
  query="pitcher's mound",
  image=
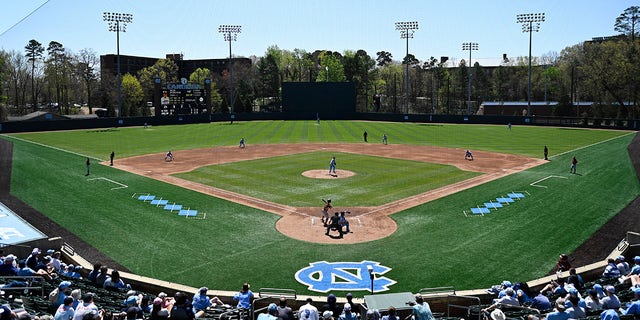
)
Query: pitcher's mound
[{"x": 324, "y": 174}]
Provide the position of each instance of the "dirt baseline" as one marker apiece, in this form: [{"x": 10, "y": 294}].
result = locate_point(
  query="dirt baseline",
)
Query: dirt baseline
[{"x": 303, "y": 223}]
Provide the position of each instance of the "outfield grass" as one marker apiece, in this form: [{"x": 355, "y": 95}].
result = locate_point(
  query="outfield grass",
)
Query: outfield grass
[
  {"x": 522, "y": 140},
  {"x": 435, "y": 245},
  {"x": 377, "y": 180}
]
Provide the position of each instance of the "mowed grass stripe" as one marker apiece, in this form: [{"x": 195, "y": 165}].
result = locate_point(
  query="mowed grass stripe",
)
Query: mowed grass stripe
[{"x": 377, "y": 181}]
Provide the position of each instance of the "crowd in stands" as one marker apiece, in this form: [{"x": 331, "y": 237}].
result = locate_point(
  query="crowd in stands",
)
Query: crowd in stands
[{"x": 103, "y": 295}]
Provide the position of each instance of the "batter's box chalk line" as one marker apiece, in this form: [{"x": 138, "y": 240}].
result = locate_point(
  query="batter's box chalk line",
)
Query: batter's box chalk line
[
  {"x": 120, "y": 185},
  {"x": 497, "y": 203},
  {"x": 536, "y": 183}
]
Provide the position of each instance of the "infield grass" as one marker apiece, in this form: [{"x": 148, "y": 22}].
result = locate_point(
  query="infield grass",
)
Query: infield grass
[
  {"x": 377, "y": 181},
  {"x": 435, "y": 244}
]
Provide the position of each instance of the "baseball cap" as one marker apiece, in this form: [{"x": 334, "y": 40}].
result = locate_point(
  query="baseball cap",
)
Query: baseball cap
[
  {"x": 272, "y": 307},
  {"x": 636, "y": 258},
  {"x": 497, "y": 314},
  {"x": 636, "y": 290},
  {"x": 64, "y": 284},
  {"x": 506, "y": 283},
  {"x": 611, "y": 289},
  {"x": 620, "y": 258},
  {"x": 35, "y": 251},
  {"x": 203, "y": 290},
  {"x": 132, "y": 300},
  {"x": 327, "y": 314},
  {"x": 157, "y": 301},
  {"x": 347, "y": 306}
]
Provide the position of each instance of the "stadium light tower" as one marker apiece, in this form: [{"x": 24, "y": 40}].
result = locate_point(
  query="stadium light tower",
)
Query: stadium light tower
[
  {"x": 406, "y": 32},
  {"x": 230, "y": 33},
  {"x": 469, "y": 46},
  {"x": 118, "y": 23},
  {"x": 530, "y": 23}
]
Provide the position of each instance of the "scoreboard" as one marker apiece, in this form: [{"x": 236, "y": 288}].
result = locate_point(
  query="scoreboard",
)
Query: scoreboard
[{"x": 183, "y": 99}]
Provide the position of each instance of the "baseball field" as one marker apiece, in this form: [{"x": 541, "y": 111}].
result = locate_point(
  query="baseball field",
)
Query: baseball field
[{"x": 410, "y": 200}]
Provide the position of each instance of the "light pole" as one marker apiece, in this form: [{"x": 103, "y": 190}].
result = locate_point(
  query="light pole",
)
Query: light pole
[
  {"x": 527, "y": 20},
  {"x": 118, "y": 23},
  {"x": 230, "y": 33},
  {"x": 469, "y": 46},
  {"x": 406, "y": 32},
  {"x": 371, "y": 276}
]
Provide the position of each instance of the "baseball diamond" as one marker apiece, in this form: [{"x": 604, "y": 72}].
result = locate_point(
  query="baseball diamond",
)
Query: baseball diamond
[{"x": 239, "y": 235}]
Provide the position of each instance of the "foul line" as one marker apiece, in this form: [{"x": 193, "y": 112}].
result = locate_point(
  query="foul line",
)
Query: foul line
[
  {"x": 121, "y": 186},
  {"x": 52, "y": 147},
  {"x": 533, "y": 184},
  {"x": 593, "y": 144}
]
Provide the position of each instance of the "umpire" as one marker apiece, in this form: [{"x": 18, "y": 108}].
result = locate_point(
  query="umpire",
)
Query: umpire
[{"x": 335, "y": 224}]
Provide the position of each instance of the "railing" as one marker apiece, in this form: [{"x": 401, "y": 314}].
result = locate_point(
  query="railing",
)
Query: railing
[{"x": 31, "y": 283}]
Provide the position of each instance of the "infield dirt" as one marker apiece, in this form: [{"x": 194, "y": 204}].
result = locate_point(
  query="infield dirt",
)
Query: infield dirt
[{"x": 303, "y": 223}]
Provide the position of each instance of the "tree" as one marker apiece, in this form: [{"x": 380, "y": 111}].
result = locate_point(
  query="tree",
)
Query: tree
[
  {"x": 331, "y": 68},
  {"x": 384, "y": 58},
  {"x": 132, "y": 96},
  {"x": 199, "y": 76},
  {"x": 86, "y": 68},
  {"x": 55, "y": 68},
  {"x": 34, "y": 51},
  {"x": 165, "y": 69},
  {"x": 627, "y": 22}
]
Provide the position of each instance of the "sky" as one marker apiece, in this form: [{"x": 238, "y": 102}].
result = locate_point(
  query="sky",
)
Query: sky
[{"x": 190, "y": 27}]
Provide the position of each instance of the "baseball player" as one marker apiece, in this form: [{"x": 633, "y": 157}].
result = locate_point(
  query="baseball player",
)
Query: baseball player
[{"x": 325, "y": 211}]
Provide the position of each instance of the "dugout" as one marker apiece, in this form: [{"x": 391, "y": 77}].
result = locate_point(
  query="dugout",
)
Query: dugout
[{"x": 327, "y": 99}]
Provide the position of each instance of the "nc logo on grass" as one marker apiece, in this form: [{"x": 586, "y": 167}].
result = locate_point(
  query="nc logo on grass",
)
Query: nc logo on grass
[{"x": 322, "y": 276}]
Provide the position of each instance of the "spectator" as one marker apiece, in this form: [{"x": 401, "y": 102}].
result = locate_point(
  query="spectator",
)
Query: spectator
[
  {"x": 167, "y": 302},
  {"x": 65, "y": 311},
  {"x": 201, "y": 302},
  {"x": 563, "y": 263},
  {"x": 55, "y": 262},
  {"x": 555, "y": 288},
  {"x": 33, "y": 259},
  {"x": 93, "y": 275},
  {"x": 593, "y": 301},
  {"x": 634, "y": 307},
  {"x": 599, "y": 290},
  {"x": 272, "y": 313},
  {"x": 506, "y": 284},
  {"x": 541, "y": 302},
  {"x": 622, "y": 265},
  {"x": 102, "y": 276},
  {"x": 559, "y": 312},
  {"x": 115, "y": 282},
  {"x": 244, "y": 297},
  {"x": 611, "y": 270},
  {"x": 69, "y": 270},
  {"x": 133, "y": 311},
  {"x": 575, "y": 279},
  {"x": 332, "y": 305},
  {"x": 157, "y": 311},
  {"x": 391, "y": 314},
  {"x": 56, "y": 297},
  {"x": 8, "y": 268},
  {"x": 611, "y": 301},
  {"x": 76, "y": 294},
  {"x": 77, "y": 272},
  {"x": 633, "y": 275},
  {"x": 181, "y": 310},
  {"x": 285, "y": 312},
  {"x": 145, "y": 304},
  {"x": 509, "y": 299},
  {"x": 576, "y": 311},
  {"x": 348, "y": 315},
  {"x": 88, "y": 309},
  {"x": 372, "y": 314},
  {"x": 6, "y": 313},
  {"x": 609, "y": 314},
  {"x": 421, "y": 310},
  {"x": 308, "y": 311},
  {"x": 573, "y": 292},
  {"x": 523, "y": 292}
]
